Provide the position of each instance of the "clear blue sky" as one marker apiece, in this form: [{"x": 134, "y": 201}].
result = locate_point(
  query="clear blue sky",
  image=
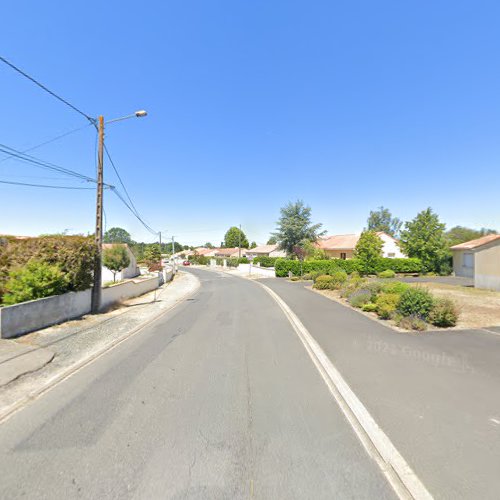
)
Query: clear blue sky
[{"x": 346, "y": 105}]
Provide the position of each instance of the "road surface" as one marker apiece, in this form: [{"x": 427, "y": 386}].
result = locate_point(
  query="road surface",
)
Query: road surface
[{"x": 218, "y": 399}]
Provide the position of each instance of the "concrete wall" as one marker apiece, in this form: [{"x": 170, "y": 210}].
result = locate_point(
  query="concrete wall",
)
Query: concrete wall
[
  {"x": 458, "y": 264},
  {"x": 262, "y": 271},
  {"x": 35, "y": 314},
  {"x": 127, "y": 290},
  {"x": 487, "y": 267}
]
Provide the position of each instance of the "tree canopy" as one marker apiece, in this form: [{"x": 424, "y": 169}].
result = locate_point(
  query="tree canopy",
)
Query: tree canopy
[
  {"x": 381, "y": 220},
  {"x": 369, "y": 249},
  {"x": 295, "y": 225},
  {"x": 424, "y": 238},
  {"x": 115, "y": 259},
  {"x": 117, "y": 235},
  {"x": 235, "y": 237},
  {"x": 272, "y": 240},
  {"x": 460, "y": 234}
]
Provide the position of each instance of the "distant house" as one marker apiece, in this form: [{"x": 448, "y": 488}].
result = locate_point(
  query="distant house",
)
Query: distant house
[
  {"x": 479, "y": 259},
  {"x": 265, "y": 251},
  {"x": 230, "y": 252},
  {"x": 129, "y": 272},
  {"x": 341, "y": 246}
]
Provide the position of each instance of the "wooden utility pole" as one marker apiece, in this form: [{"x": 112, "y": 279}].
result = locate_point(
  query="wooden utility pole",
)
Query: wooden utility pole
[
  {"x": 97, "y": 288},
  {"x": 239, "y": 244}
]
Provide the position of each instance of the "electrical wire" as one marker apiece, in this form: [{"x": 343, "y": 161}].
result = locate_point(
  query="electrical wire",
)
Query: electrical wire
[
  {"x": 43, "y": 185},
  {"x": 43, "y": 87},
  {"x": 138, "y": 217},
  {"x": 49, "y": 141},
  {"x": 43, "y": 164}
]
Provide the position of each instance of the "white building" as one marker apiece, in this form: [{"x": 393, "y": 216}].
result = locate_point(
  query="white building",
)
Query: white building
[{"x": 129, "y": 272}]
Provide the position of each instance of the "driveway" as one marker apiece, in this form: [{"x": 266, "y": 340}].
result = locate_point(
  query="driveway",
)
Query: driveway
[
  {"x": 447, "y": 280},
  {"x": 436, "y": 395}
]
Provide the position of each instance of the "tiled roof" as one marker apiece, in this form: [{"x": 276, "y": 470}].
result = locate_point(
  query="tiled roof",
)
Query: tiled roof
[
  {"x": 339, "y": 242},
  {"x": 263, "y": 249},
  {"x": 479, "y": 242}
]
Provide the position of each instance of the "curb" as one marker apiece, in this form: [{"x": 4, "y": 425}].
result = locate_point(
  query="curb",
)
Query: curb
[{"x": 57, "y": 379}]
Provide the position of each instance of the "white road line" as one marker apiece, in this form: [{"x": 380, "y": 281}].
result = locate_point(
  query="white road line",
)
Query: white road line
[
  {"x": 490, "y": 331},
  {"x": 401, "y": 477}
]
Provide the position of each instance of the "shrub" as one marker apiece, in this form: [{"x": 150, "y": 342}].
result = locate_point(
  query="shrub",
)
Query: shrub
[
  {"x": 412, "y": 323},
  {"x": 443, "y": 313},
  {"x": 360, "y": 298},
  {"x": 324, "y": 282},
  {"x": 369, "y": 307},
  {"x": 387, "y": 304},
  {"x": 232, "y": 262},
  {"x": 395, "y": 287},
  {"x": 35, "y": 281},
  {"x": 416, "y": 302},
  {"x": 388, "y": 273},
  {"x": 295, "y": 278},
  {"x": 243, "y": 260},
  {"x": 353, "y": 284},
  {"x": 374, "y": 287},
  {"x": 338, "y": 278}
]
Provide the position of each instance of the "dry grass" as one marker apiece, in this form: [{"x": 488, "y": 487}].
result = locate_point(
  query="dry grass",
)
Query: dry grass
[{"x": 478, "y": 308}]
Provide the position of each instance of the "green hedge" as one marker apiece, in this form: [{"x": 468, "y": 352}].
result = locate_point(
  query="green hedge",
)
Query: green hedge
[
  {"x": 265, "y": 261},
  {"x": 283, "y": 266}
]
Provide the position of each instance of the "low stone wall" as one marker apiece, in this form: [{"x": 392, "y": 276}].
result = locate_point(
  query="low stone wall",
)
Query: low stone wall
[
  {"x": 257, "y": 270},
  {"x": 29, "y": 316},
  {"x": 127, "y": 290}
]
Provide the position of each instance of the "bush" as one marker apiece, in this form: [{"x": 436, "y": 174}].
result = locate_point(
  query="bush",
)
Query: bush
[
  {"x": 35, "y": 281},
  {"x": 395, "y": 287},
  {"x": 265, "y": 261},
  {"x": 116, "y": 259},
  {"x": 443, "y": 313},
  {"x": 232, "y": 262},
  {"x": 243, "y": 260},
  {"x": 339, "y": 277},
  {"x": 74, "y": 255},
  {"x": 353, "y": 284},
  {"x": 388, "y": 273},
  {"x": 360, "y": 298},
  {"x": 387, "y": 304},
  {"x": 295, "y": 278},
  {"x": 416, "y": 302},
  {"x": 199, "y": 259},
  {"x": 374, "y": 287},
  {"x": 324, "y": 282},
  {"x": 412, "y": 323},
  {"x": 283, "y": 266},
  {"x": 369, "y": 307}
]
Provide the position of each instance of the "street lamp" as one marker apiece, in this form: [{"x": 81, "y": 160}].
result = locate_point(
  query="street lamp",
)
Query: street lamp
[{"x": 99, "y": 124}]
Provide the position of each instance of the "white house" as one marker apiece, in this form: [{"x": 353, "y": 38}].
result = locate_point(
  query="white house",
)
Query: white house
[
  {"x": 341, "y": 246},
  {"x": 129, "y": 272}
]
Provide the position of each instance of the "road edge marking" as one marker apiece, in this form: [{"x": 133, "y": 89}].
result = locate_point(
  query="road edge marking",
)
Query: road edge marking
[
  {"x": 399, "y": 474},
  {"x": 61, "y": 377}
]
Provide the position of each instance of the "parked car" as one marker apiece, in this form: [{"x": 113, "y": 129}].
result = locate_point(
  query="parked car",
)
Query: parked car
[{"x": 186, "y": 263}]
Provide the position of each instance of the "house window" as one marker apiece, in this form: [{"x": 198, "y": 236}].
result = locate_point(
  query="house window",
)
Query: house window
[
  {"x": 391, "y": 255},
  {"x": 343, "y": 255},
  {"x": 468, "y": 260}
]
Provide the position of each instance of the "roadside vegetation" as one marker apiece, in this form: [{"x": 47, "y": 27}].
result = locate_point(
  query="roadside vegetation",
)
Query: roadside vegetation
[{"x": 406, "y": 306}]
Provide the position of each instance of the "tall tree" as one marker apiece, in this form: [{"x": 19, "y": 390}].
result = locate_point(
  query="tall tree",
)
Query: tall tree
[
  {"x": 424, "y": 237},
  {"x": 460, "y": 234},
  {"x": 295, "y": 226},
  {"x": 368, "y": 249},
  {"x": 383, "y": 221},
  {"x": 272, "y": 240},
  {"x": 235, "y": 237},
  {"x": 253, "y": 244},
  {"x": 152, "y": 255},
  {"x": 117, "y": 235},
  {"x": 208, "y": 245}
]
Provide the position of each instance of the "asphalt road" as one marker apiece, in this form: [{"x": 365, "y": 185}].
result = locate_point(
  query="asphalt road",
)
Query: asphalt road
[
  {"x": 436, "y": 394},
  {"x": 218, "y": 399}
]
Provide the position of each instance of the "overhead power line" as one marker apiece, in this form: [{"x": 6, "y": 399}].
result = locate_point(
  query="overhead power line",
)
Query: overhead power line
[
  {"x": 49, "y": 141},
  {"x": 43, "y": 185},
  {"x": 137, "y": 216},
  {"x": 42, "y": 86},
  {"x": 43, "y": 164}
]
